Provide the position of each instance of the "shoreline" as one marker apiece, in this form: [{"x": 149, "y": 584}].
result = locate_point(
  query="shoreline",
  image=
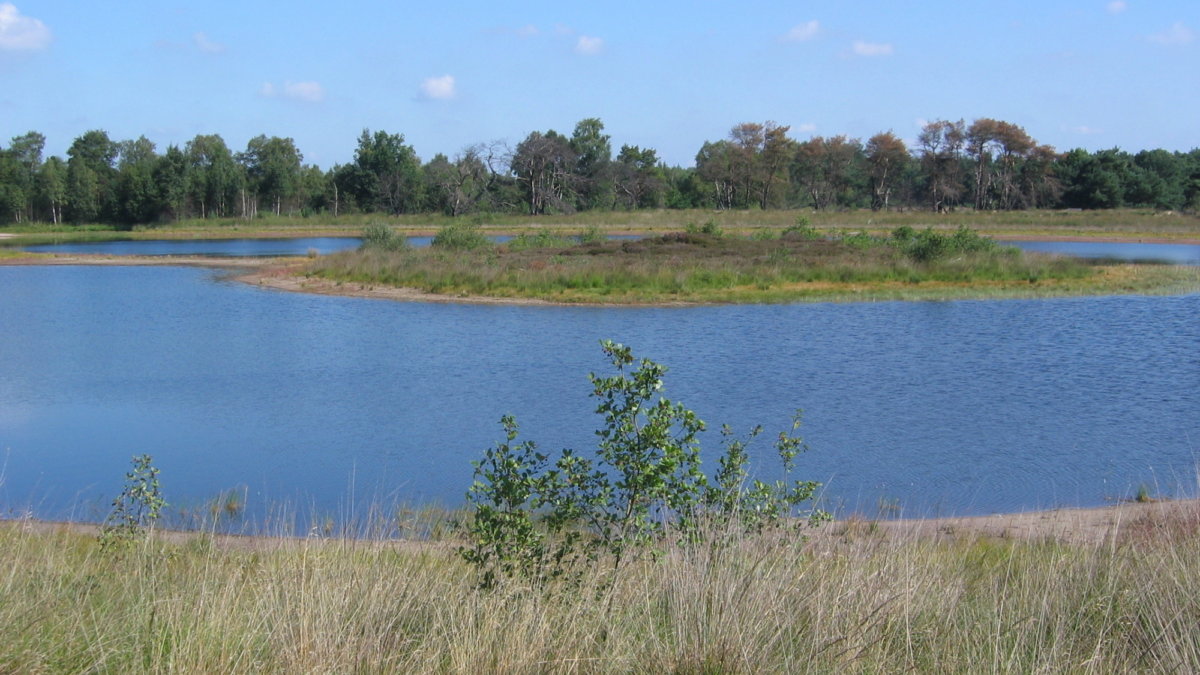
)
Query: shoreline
[
  {"x": 282, "y": 274},
  {"x": 1087, "y": 526}
]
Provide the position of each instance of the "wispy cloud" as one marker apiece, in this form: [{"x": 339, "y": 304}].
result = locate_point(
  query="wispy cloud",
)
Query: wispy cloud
[
  {"x": 304, "y": 92},
  {"x": 1086, "y": 130},
  {"x": 871, "y": 49},
  {"x": 1117, "y": 6},
  {"x": 527, "y": 31},
  {"x": 589, "y": 46},
  {"x": 20, "y": 33},
  {"x": 439, "y": 88},
  {"x": 206, "y": 45},
  {"x": 802, "y": 32},
  {"x": 806, "y": 128},
  {"x": 1177, "y": 34}
]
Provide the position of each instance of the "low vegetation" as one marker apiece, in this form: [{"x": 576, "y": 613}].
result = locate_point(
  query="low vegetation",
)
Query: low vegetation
[{"x": 705, "y": 264}]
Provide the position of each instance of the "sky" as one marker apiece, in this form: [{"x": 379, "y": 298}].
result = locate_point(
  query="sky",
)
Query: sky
[{"x": 668, "y": 74}]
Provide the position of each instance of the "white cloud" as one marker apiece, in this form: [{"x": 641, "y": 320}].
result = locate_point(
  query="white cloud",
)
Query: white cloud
[
  {"x": 1087, "y": 131},
  {"x": 806, "y": 128},
  {"x": 1117, "y": 6},
  {"x": 589, "y": 45},
  {"x": 802, "y": 32},
  {"x": 440, "y": 88},
  {"x": 206, "y": 45},
  {"x": 921, "y": 122},
  {"x": 20, "y": 33},
  {"x": 527, "y": 31},
  {"x": 305, "y": 92},
  {"x": 1177, "y": 34},
  {"x": 870, "y": 49}
]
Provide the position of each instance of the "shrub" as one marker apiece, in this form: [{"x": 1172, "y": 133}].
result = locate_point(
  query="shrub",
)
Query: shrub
[
  {"x": 461, "y": 237},
  {"x": 803, "y": 229},
  {"x": 137, "y": 508},
  {"x": 543, "y": 239},
  {"x": 379, "y": 236},
  {"x": 709, "y": 227},
  {"x": 536, "y": 519},
  {"x": 593, "y": 235}
]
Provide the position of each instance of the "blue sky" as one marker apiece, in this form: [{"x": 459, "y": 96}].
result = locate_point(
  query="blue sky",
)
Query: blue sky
[{"x": 667, "y": 74}]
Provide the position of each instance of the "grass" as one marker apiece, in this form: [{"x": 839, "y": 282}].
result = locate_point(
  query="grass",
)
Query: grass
[
  {"x": 695, "y": 267},
  {"x": 1126, "y": 223},
  {"x": 856, "y": 599}
]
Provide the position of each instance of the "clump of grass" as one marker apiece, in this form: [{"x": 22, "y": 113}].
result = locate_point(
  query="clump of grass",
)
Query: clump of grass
[{"x": 593, "y": 235}]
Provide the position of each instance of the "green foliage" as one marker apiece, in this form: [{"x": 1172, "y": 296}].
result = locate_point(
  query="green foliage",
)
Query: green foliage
[
  {"x": 535, "y": 520},
  {"x": 928, "y": 245},
  {"x": 764, "y": 234},
  {"x": 709, "y": 227},
  {"x": 380, "y": 237},
  {"x": 542, "y": 239},
  {"x": 460, "y": 236},
  {"x": 593, "y": 235},
  {"x": 803, "y": 229},
  {"x": 137, "y": 507}
]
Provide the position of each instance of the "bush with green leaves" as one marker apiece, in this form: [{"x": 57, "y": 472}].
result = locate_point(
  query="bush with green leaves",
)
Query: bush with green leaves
[
  {"x": 461, "y": 236},
  {"x": 710, "y": 227},
  {"x": 803, "y": 229},
  {"x": 137, "y": 508},
  {"x": 379, "y": 236},
  {"x": 593, "y": 235},
  {"x": 929, "y": 245},
  {"x": 538, "y": 518},
  {"x": 541, "y": 239}
]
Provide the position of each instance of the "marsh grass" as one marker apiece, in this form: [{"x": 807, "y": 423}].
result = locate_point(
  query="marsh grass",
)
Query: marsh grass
[
  {"x": 694, "y": 267},
  {"x": 858, "y": 599}
]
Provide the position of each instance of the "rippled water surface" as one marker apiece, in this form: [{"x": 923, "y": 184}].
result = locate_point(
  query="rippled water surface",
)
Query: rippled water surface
[{"x": 964, "y": 407}]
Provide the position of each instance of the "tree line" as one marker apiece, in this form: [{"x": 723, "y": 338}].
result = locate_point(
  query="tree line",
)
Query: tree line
[{"x": 986, "y": 165}]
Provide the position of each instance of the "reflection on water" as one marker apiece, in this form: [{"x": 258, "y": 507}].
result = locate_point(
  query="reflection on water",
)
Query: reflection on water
[
  {"x": 962, "y": 407},
  {"x": 1178, "y": 254}
]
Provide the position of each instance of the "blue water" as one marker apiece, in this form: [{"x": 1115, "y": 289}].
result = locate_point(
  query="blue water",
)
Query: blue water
[
  {"x": 226, "y": 247},
  {"x": 941, "y": 407},
  {"x": 1178, "y": 254}
]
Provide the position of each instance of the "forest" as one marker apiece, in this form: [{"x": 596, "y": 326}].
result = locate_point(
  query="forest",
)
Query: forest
[{"x": 986, "y": 165}]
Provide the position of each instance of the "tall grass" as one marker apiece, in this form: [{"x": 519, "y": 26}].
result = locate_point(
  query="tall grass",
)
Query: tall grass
[{"x": 852, "y": 600}]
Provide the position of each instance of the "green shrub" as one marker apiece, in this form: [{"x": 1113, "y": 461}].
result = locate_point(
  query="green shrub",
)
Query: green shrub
[
  {"x": 379, "y": 236},
  {"x": 542, "y": 239},
  {"x": 461, "y": 237},
  {"x": 803, "y": 229},
  {"x": 593, "y": 235},
  {"x": 536, "y": 519},
  {"x": 137, "y": 508},
  {"x": 709, "y": 227}
]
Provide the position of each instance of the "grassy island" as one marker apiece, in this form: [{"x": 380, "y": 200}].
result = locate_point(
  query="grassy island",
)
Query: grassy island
[{"x": 704, "y": 265}]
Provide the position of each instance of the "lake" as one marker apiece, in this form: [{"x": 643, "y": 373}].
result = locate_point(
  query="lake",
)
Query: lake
[
  {"x": 916, "y": 408},
  {"x": 1184, "y": 254}
]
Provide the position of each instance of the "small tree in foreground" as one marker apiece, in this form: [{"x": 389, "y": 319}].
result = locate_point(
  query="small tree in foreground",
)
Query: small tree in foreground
[
  {"x": 137, "y": 508},
  {"x": 539, "y": 519}
]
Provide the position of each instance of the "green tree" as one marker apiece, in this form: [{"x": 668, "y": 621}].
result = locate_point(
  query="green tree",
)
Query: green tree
[
  {"x": 51, "y": 188},
  {"x": 136, "y": 190},
  {"x": 90, "y": 177},
  {"x": 887, "y": 156},
  {"x": 593, "y": 163},
  {"x": 214, "y": 179},
  {"x": 544, "y": 165},
  {"x": 386, "y": 174},
  {"x": 272, "y": 167}
]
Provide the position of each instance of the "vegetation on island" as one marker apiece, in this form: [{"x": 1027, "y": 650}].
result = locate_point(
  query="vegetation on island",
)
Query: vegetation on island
[
  {"x": 704, "y": 264},
  {"x": 987, "y": 165}
]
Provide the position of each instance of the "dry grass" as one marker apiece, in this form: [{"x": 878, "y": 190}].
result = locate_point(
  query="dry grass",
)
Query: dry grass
[{"x": 854, "y": 600}]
